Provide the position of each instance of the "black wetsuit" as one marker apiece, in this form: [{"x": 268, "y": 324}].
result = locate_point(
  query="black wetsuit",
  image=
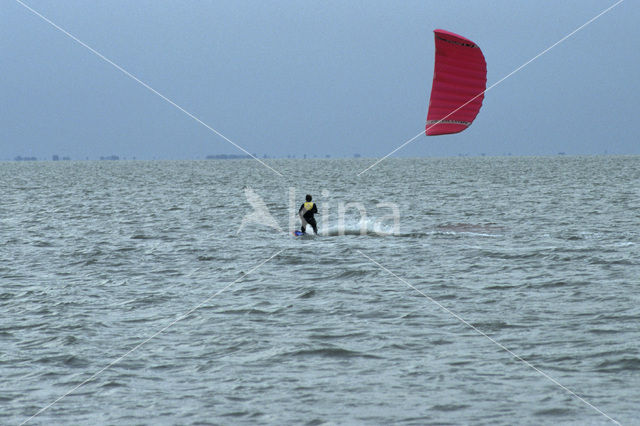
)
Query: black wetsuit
[{"x": 308, "y": 217}]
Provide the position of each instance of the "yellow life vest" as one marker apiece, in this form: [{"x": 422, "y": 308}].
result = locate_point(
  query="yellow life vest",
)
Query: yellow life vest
[{"x": 308, "y": 205}]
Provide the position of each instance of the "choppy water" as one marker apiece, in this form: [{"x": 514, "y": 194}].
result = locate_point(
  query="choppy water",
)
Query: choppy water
[{"x": 541, "y": 254}]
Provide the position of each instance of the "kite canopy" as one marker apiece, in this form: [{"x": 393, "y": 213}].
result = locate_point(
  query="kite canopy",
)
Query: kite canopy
[{"x": 459, "y": 82}]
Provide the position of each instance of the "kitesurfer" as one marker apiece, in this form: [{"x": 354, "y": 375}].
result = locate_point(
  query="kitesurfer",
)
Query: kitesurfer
[{"x": 306, "y": 212}]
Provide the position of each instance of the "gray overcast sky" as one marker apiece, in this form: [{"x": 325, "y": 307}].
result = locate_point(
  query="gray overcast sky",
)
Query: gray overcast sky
[{"x": 311, "y": 77}]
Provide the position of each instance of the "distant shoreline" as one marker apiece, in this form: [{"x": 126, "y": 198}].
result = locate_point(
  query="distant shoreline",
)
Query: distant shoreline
[{"x": 115, "y": 158}]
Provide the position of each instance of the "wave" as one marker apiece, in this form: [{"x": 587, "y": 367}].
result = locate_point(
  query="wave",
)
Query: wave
[
  {"x": 625, "y": 364},
  {"x": 364, "y": 226},
  {"x": 328, "y": 352},
  {"x": 376, "y": 228},
  {"x": 477, "y": 229}
]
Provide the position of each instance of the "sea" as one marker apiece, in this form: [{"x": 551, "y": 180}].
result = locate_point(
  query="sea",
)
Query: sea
[{"x": 466, "y": 290}]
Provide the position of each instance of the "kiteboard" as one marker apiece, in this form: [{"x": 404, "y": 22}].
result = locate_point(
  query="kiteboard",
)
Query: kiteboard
[{"x": 304, "y": 235}]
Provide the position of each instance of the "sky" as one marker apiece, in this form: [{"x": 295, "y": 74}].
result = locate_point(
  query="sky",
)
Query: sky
[{"x": 311, "y": 78}]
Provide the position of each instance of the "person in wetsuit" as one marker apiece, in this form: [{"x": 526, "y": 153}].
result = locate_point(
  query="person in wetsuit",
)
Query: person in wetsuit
[{"x": 306, "y": 212}]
